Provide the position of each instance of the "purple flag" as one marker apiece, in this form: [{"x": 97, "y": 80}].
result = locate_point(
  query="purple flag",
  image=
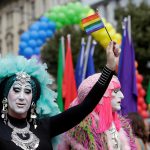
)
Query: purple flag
[{"x": 126, "y": 74}]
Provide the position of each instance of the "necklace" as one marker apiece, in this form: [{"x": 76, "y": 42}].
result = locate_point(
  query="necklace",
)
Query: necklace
[
  {"x": 113, "y": 136},
  {"x": 24, "y": 138}
]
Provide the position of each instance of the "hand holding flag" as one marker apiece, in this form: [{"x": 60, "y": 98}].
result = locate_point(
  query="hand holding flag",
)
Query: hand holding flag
[{"x": 112, "y": 52}]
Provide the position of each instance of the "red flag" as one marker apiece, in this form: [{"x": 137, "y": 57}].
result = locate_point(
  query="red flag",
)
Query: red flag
[{"x": 69, "y": 84}]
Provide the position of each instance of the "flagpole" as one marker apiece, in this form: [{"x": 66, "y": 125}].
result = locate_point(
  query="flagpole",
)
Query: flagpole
[
  {"x": 105, "y": 26},
  {"x": 129, "y": 28},
  {"x": 63, "y": 50},
  {"x": 86, "y": 56},
  {"x": 108, "y": 33}
]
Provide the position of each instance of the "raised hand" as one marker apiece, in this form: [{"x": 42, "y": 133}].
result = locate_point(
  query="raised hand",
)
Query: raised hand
[{"x": 112, "y": 54}]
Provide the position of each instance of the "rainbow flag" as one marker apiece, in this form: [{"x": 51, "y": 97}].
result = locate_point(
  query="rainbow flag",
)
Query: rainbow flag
[{"x": 92, "y": 23}]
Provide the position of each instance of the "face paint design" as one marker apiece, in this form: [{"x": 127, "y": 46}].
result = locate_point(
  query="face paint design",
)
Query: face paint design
[
  {"x": 117, "y": 96},
  {"x": 19, "y": 99}
]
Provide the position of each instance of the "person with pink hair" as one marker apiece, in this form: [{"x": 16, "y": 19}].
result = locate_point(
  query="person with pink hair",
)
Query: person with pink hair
[{"x": 104, "y": 128}]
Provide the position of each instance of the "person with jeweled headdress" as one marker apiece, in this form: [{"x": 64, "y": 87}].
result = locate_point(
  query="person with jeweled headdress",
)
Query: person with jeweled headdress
[
  {"x": 30, "y": 118},
  {"x": 104, "y": 128}
]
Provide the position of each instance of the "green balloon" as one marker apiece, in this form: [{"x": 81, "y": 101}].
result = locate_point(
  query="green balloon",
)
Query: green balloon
[
  {"x": 77, "y": 9},
  {"x": 71, "y": 5},
  {"x": 52, "y": 16},
  {"x": 64, "y": 9},
  {"x": 68, "y": 21},
  {"x": 46, "y": 14},
  {"x": 78, "y": 4},
  {"x": 62, "y": 18},
  {"x": 70, "y": 14},
  {"x": 86, "y": 9},
  {"x": 59, "y": 25},
  {"x": 81, "y": 16},
  {"x": 75, "y": 20},
  {"x": 56, "y": 9}
]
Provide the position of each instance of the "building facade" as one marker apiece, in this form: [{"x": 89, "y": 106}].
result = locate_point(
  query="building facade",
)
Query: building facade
[{"x": 16, "y": 16}]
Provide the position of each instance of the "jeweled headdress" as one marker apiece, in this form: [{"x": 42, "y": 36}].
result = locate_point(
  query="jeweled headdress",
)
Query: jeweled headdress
[{"x": 23, "y": 77}]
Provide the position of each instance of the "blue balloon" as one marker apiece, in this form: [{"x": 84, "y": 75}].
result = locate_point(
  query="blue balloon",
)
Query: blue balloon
[
  {"x": 49, "y": 33},
  {"x": 39, "y": 42},
  {"x": 23, "y": 45},
  {"x": 42, "y": 35},
  {"x": 34, "y": 34},
  {"x": 28, "y": 52},
  {"x": 52, "y": 26},
  {"x": 35, "y": 26},
  {"x": 44, "y": 19},
  {"x": 21, "y": 52},
  {"x": 43, "y": 26},
  {"x": 25, "y": 36},
  {"x": 37, "y": 51},
  {"x": 32, "y": 43}
]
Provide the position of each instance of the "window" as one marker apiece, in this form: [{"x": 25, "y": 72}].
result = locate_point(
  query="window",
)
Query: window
[
  {"x": 44, "y": 5},
  {"x": 9, "y": 19},
  {"x": 0, "y": 47},
  {"x": 9, "y": 42},
  {"x": 0, "y": 23},
  {"x": 33, "y": 10},
  {"x": 21, "y": 13}
]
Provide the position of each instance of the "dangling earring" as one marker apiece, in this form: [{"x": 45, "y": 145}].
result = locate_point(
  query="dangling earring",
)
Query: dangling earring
[
  {"x": 4, "y": 110},
  {"x": 33, "y": 115}
]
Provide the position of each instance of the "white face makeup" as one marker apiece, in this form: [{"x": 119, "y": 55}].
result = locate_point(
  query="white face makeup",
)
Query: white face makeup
[
  {"x": 117, "y": 96},
  {"x": 19, "y": 99}
]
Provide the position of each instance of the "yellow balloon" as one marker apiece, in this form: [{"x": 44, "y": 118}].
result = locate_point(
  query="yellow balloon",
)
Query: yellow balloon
[
  {"x": 104, "y": 41},
  {"x": 108, "y": 26},
  {"x": 104, "y": 21},
  {"x": 81, "y": 26},
  {"x": 117, "y": 38},
  {"x": 91, "y": 12},
  {"x": 112, "y": 32},
  {"x": 99, "y": 33}
]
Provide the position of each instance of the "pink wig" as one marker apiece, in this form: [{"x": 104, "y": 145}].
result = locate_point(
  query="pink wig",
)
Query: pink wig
[{"x": 104, "y": 108}]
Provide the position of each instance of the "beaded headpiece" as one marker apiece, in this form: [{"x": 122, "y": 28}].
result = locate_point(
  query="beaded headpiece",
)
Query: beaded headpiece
[{"x": 23, "y": 77}]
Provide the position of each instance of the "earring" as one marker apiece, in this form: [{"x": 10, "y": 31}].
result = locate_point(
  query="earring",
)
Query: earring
[
  {"x": 4, "y": 110},
  {"x": 33, "y": 115}
]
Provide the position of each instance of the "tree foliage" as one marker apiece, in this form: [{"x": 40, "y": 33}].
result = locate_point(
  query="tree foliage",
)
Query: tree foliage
[{"x": 140, "y": 30}]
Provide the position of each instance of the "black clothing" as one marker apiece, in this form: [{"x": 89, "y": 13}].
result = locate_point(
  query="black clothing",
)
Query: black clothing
[{"x": 52, "y": 126}]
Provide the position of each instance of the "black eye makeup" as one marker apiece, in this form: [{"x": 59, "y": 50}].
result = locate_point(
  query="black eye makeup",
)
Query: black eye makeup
[
  {"x": 16, "y": 89},
  {"x": 116, "y": 90},
  {"x": 27, "y": 91}
]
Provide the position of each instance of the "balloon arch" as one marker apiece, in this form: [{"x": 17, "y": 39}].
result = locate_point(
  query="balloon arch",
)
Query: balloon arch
[{"x": 57, "y": 18}]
